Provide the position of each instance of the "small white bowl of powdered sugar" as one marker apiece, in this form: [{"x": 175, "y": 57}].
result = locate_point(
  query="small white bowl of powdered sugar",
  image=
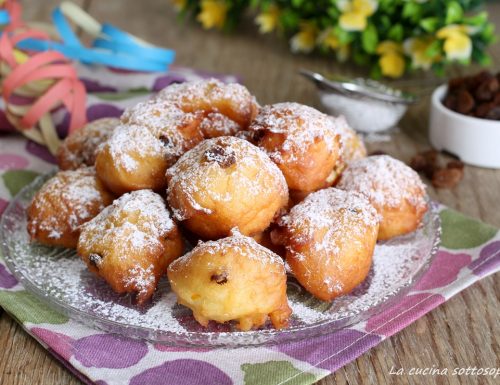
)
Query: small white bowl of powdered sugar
[{"x": 369, "y": 106}]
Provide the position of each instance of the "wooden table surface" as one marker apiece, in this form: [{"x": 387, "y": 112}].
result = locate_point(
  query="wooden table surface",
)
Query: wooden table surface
[{"x": 465, "y": 331}]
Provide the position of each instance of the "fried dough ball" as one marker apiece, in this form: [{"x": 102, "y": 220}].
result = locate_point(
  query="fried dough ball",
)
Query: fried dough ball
[
  {"x": 301, "y": 141},
  {"x": 151, "y": 138},
  {"x": 329, "y": 240},
  {"x": 223, "y": 183},
  {"x": 351, "y": 145},
  {"x": 66, "y": 201},
  {"x": 176, "y": 129},
  {"x": 80, "y": 148},
  {"x": 132, "y": 159},
  {"x": 233, "y": 278},
  {"x": 131, "y": 243},
  {"x": 393, "y": 188},
  {"x": 232, "y": 100}
]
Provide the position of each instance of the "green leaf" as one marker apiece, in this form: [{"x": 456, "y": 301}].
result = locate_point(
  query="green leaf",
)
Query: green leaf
[
  {"x": 412, "y": 11},
  {"x": 343, "y": 36},
  {"x": 333, "y": 12},
  {"x": 15, "y": 180},
  {"x": 488, "y": 33},
  {"x": 369, "y": 38},
  {"x": 254, "y": 3},
  {"x": 481, "y": 57},
  {"x": 454, "y": 12},
  {"x": 289, "y": 20},
  {"x": 275, "y": 372},
  {"x": 429, "y": 24},
  {"x": 434, "y": 49},
  {"x": 477, "y": 20},
  {"x": 396, "y": 33},
  {"x": 384, "y": 22},
  {"x": 376, "y": 72}
]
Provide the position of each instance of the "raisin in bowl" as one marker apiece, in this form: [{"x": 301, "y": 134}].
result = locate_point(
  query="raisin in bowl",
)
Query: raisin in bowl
[{"x": 475, "y": 140}]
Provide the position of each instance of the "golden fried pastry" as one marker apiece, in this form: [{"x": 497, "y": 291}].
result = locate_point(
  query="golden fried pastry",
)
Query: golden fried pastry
[
  {"x": 131, "y": 243},
  {"x": 393, "y": 188},
  {"x": 66, "y": 201},
  {"x": 329, "y": 240},
  {"x": 152, "y": 136},
  {"x": 223, "y": 183},
  {"x": 80, "y": 148},
  {"x": 351, "y": 145},
  {"x": 177, "y": 130},
  {"x": 301, "y": 141},
  {"x": 132, "y": 159},
  {"x": 233, "y": 278},
  {"x": 213, "y": 96}
]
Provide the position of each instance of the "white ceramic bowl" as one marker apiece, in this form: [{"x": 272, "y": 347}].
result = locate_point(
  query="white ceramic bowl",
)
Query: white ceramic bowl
[{"x": 475, "y": 141}]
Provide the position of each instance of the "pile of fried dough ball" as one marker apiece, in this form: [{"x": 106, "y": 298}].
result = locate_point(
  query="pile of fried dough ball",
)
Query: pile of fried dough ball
[{"x": 251, "y": 186}]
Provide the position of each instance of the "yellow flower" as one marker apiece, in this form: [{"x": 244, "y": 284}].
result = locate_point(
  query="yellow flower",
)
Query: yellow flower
[
  {"x": 355, "y": 13},
  {"x": 304, "y": 40},
  {"x": 213, "y": 13},
  {"x": 179, "y": 5},
  {"x": 328, "y": 39},
  {"x": 416, "y": 48},
  {"x": 457, "y": 43},
  {"x": 268, "y": 20},
  {"x": 392, "y": 62},
  {"x": 388, "y": 46}
]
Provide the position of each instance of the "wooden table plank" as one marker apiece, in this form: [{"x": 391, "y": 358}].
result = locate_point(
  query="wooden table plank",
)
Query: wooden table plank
[
  {"x": 23, "y": 360},
  {"x": 463, "y": 332}
]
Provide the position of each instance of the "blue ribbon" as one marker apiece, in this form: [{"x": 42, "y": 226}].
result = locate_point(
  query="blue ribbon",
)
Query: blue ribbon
[
  {"x": 4, "y": 17},
  {"x": 114, "y": 48}
]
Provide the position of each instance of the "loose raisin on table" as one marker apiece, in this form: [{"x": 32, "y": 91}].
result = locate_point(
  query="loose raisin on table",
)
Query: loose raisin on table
[{"x": 447, "y": 177}]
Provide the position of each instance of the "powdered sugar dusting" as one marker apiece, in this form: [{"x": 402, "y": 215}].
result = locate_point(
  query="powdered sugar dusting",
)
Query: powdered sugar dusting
[
  {"x": 325, "y": 217},
  {"x": 80, "y": 148},
  {"x": 130, "y": 143},
  {"x": 337, "y": 211},
  {"x": 395, "y": 264},
  {"x": 209, "y": 94},
  {"x": 351, "y": 145},
  {"x": 74, "y": 193},
  {"x": 193, "y": 172},
  {"x": 216, "y": 124},
  {"x": 159, "y": 117},
  {"x": 236, "y": 243},
  {"x": 385, "y": 181},
  {"x": 137, "y": 219},
  {"x": 301, "y": 126},
  {"x": 140, "y": 279}
]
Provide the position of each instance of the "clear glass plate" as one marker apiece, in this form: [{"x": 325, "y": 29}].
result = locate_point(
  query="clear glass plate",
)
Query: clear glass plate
[{"x": 62, "y": 281}]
